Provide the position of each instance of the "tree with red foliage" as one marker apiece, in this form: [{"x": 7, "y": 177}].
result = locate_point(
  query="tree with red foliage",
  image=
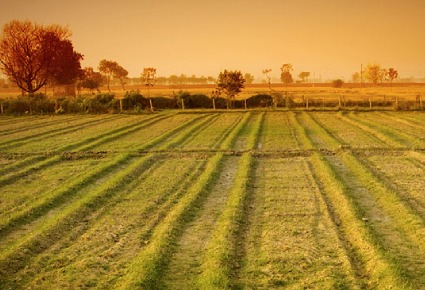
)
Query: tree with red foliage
[{"x": 32, "y": 55}]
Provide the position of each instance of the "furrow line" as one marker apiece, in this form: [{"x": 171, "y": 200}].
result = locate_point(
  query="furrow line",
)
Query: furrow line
[
  {"x": 227, "y": 132},
  {"x": 400, "y": 119},
  {"x": 217, "y": 262},
  {"x": 231, "y": 138},
  {"x": 90, "y": 143},
  {"x": 51, "y": 199},
  {"x": 86, "y": 144},
  {"x": 119, "y": 229},
  {"x": 188, "y": 134},
  {"x": 389, "y": 136},
  {"x": 54, "y": 132},
  {"x": 12, "y": 258},
  {"x": 38, "y": 125},
  {"x": 170, "y": 137},
  {"x": 414, "y": 203},
  {"x": 404, "y": 215},
  {"x": 217, "y": 266},
  {"x": 367, "y": 257},
  {"x": 145, "y": 270}
]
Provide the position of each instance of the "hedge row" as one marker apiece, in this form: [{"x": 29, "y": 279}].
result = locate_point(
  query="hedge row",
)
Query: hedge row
[{"x": 135, "y": 102}]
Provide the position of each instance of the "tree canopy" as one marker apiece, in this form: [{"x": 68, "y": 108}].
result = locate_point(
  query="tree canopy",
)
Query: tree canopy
[
  {"x": 231, "y": 83},
  {"x": 32, "y": 55},
  {"x": 286, "y": 76},
  {"x": 111, "y": 69}
]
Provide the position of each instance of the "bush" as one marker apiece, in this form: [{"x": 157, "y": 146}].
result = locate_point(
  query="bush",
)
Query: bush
[
  {"x": 197, "y": 101},
  {"x": 260, "y": 101},
  {"x": 337, "y": 83},
  {"x": 164, "y": 103},
  {"x": 134, "y": 101},
  {"x": 34, "y": 104}
]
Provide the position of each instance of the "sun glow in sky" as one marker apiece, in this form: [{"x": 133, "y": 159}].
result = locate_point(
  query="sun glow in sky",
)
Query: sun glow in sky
[{"x": 329, "y": 38}]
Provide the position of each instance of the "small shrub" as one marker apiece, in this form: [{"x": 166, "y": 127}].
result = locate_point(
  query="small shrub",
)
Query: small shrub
[
  {"x": 337, "y": 83},
  {"x": 134, "y": 101},
  {"x": 198, "y": 101},
  {"x": 260, "y": 101},
  {"x": 164, "y": 103}
]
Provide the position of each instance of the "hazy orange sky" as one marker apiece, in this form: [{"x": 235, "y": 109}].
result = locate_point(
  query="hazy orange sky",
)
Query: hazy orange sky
[{"x": 329, "y": 38}]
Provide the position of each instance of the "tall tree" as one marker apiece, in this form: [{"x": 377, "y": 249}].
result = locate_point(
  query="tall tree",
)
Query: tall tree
[
  {"x": 121, "y": 74},
  {"x": 29, "y": 54},
  {"x": 111, "y": 69},
  {"x": 107, "y": 68},
  {"x": 373, "y": 73},
  {"x": 66, "y": 68},
  {"x": 266, "y": 73},
  {"x": 91, "y": 80},
  {"x": 286, "y": 76},
  {"x": 355, "y": 77},
  {"x": 148, "y": 78},
  {"x": 249, "y": 79},
  {"x": 383, "y": 75},
  {"x": 304, "y": 75},
  {"x": 392, "y": 74},
  {"x": 231, "y": 83}
]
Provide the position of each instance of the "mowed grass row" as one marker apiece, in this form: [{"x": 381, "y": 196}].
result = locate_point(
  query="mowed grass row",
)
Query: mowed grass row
[
  {"x": 391, "y": 224},
  {"x": 403, "y": 173},
  {"x": 32, "y": 135},
  {"x": 347, "y": 133},
  {"x": 290, "y": 240},
  {"x": 25, "y": 125},
  {"x": 167, "y": 138},
  {"x": 97, "y": 252},
  {"x": 51, "y": 201},
  {"x": 94, "y": 141},
  {"x": 388, "y": 132},
  {"x": 210, "y": 201},
  {"x": 146, "y": 271}
]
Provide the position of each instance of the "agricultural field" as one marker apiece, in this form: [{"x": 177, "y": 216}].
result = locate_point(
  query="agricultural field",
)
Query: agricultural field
[{"x": 208, "y": 200}]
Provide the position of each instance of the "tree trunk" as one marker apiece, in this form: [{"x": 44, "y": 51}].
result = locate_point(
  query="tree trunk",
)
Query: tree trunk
[
  {"x": 245, "y": 105},
  {"x": 120, "y": 105},
  {"x": 151, "y": 105},
  {"x": 370, "y": 102},
  {"x": 122, "y": 84},
  {"x": 182, "y": 104},
  {"x": 1, "y": 108},
  {"x": 213, "y": 103}
]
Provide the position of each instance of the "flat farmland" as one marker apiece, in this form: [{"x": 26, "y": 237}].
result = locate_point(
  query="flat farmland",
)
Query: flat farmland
[{"x": 213, "y": 200}]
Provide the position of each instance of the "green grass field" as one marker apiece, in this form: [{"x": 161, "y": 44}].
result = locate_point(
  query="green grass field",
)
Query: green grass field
[{"x": 208, "y": 200}]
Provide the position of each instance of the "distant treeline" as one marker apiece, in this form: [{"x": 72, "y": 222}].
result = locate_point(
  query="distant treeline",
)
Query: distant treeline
[{"x": 134, "y": 102}]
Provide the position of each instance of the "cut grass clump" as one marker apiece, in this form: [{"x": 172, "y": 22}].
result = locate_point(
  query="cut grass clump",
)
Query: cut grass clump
[
  {"x": 220, "y": 251},
  {"x": 146, "y": 269}
]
